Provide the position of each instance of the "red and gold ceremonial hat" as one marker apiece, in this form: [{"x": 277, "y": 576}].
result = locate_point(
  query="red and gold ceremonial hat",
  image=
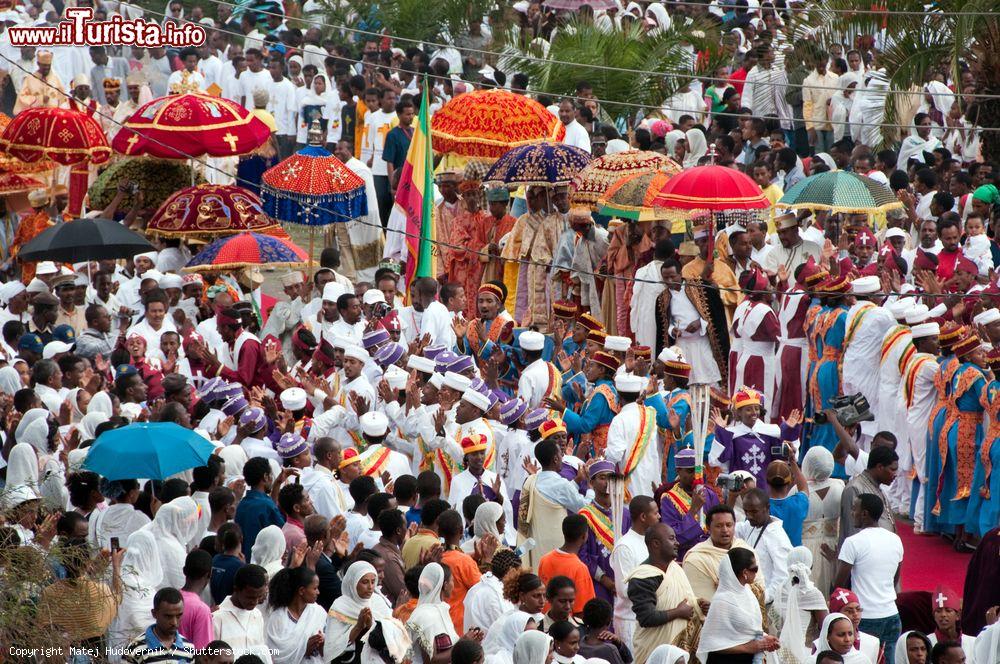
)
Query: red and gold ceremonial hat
[
  {"x": 606, "y": 360},
  {"x": 350, "y": 456},
  {"x": 550, "y": 428},
  {"x": 565, "y": 309},
  {"x": 493, "y": 290},
  {"x": 678, "y": 369},
  {"x": 642, "y": 351},
  {"x": 746, "y": 396},
  {"x": 589, "y": 322},
  {"x": 718, "y": 398},
  {"x": 965, "y": 346},
  {"x": 474, "y": 443},
  {"x": 835, "y": 285},
  {"x": 598, "y": 337},
  {"x": 950, "y": 333},
  {"x": 993, "y": 357}
]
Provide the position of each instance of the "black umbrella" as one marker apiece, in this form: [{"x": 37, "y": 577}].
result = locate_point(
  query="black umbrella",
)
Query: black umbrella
[{"x": 85, "y": 240}]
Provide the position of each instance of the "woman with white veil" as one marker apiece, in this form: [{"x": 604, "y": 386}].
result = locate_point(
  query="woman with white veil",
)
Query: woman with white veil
[
  {"x": 356, "y": 622},
  {"x": 10, "y": 380},
  {"x": 102, "y": 403},
  {"x": 174, "y": 525},
  {"x": 34, "y": 430},
  {"x": 498, "y": 646},
  {"x": 487, "y": 521},
  {"x": 430, "y": 621},
  {"x": 801, "y": 609},
  {"x": 533, "y": 647},
  {"x": 294, "y": 618},
  {"x": 22, "y": 472},
  {"x": 697, "y": 147},
  {"x": 841, "y": 103},
  {"x": 733, "y": 631},
  {"x": 668, "y": 654},
  {"x": 142, "y": 576},
  {"x": 268, "y": 550},
  {"x": 837, "y": 634},
  {"x": 821, "y": 523}
]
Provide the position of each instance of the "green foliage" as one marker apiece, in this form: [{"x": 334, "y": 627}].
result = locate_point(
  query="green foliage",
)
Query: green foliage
[
  {"x": 157, "y": 180},
  {"x": 621, "y": 66}
]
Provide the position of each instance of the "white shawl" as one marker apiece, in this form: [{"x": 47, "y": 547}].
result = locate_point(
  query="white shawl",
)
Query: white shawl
[
  {"x": 498, "y": 646},
  {"x": 431, "y": 618},
  {"x": 532, "y": 648},
  {"x": 798, "y": 595},
  {"x": 142, "y": 575},
  {"x": 344, "y": 615},
  {"x": 10, "y": 380},
  {"x": 852, "y": 656},
  {"x": 667, "y": 654},
  {"x": 287, "y": 638},
  {"x": 268, "y": 550},
  {"x": 485, "y": 522},
  {"x": 734, "y": 616},
  {"x": 173, "y": 527}
]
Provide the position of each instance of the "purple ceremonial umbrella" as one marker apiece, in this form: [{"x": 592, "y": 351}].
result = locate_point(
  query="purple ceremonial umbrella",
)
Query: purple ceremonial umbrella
[{"x": 574, "y": 5}]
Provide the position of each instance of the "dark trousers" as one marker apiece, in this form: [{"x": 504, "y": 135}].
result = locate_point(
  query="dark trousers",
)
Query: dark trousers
[
  {"x": 286, "y": 146},
  {"x": 384, "y": 193}
]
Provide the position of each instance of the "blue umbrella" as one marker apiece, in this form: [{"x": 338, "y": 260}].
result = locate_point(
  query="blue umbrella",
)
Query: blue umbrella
[
  {"x": 147, "y": 450},
  {"x": 540, "y": 164}
]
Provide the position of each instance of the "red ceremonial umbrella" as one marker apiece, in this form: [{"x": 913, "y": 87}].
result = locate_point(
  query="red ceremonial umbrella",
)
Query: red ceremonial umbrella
[
  {"x": 59, "y": 134},
  {"x": 206, "y": 211},
  {"x": 487, "y": 123},
  {"x": 190, "y": 125},
  {"x": 714, "y": 188},
  {"x": 12, "y": 183}
]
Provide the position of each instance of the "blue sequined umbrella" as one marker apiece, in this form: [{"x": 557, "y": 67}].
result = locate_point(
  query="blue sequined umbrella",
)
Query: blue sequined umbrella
[
  {"x": 313, "y": 188},
  {"x": 542, "y": 164}
]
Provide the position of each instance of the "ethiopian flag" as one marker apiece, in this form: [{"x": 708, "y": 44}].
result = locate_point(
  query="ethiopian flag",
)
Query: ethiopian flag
[{"x": 414, "y": 205}]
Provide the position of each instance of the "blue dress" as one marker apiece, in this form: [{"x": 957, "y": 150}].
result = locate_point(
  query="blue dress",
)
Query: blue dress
[
  {"x": 932, "y": 465},
  {"x": 831, "y": 329},
  {"x": 983, "y": 513},
  {"x": 964, "y": 437}
]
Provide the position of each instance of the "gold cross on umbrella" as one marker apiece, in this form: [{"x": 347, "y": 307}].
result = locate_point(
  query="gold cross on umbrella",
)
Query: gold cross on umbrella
[{"x": 231, "y": 139}]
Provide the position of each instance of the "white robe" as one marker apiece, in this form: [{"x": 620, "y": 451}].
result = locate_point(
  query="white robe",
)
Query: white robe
[
  {"x": 324, "y": 490},
  {"x": 918, "y": 412},
  {"x": 863, "y": 352},
  {"x": 534, "y": 383},
  {"x": 695, "y": 345},
  {"x": 622, "y": 432},
  {"x": 485, "y": 604},
  {"x": 642, "y": 316},
  {"x": 243, "y": 630},
  {"x": 747, "y": 325},
  {"x": 288, "y": 637},
  {"x": 629, "y": 552}
]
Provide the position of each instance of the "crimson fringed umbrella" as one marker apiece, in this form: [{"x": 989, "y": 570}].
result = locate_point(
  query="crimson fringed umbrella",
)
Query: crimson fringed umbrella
[
  {"x": 235, "y": 252},
  {"x": 712, "y": 187},
  {"x": 190, "y": 125}
]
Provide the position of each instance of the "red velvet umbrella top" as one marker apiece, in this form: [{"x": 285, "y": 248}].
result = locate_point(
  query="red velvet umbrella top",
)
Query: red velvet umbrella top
[
  {"x": 194, "y": 124},
  {"x": 711, "y": 188},
  {"x": 64, "y": 136}
]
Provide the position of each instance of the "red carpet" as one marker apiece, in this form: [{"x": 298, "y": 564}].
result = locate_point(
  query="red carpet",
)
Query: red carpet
[{"x": 929, "y": 561}]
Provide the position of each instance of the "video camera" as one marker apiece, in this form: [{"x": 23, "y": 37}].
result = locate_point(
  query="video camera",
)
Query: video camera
[{"x": 850, "y": 409}]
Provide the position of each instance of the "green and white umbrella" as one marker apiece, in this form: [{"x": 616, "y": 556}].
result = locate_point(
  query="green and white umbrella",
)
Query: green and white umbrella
[{"x": 839, "y": 191}]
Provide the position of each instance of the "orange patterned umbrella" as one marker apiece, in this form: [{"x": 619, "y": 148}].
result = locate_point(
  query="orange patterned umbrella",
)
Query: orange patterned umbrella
[
  {"x": 190, "y": 125},
  {"x": 593, "y": 181},
  {"x": 487, "y": 123},
  {"x": 64, "y": 136},
  {"x": 632, "y": 196},
  {"x": 207, "y": 211}
]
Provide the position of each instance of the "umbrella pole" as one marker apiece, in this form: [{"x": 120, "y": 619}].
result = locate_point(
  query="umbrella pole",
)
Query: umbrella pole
[{"x": 312, "y": 237}]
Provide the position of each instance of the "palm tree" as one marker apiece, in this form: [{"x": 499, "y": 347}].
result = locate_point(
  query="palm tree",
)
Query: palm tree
[
  {"x": 916, "y": 43},
  {"x": 624, "y": 67},
  {"x": 434, "y": 21}
]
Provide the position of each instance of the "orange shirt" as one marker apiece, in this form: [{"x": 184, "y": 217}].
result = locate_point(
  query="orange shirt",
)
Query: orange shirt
[
  {"x": 464, "y": 574},
  {"x": 559, "y": 563}
]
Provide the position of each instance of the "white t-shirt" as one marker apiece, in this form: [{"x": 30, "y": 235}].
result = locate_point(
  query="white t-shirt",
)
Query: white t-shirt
[
  {"x": 250, "y": 81},
  {"x": 875, "y": 554},
  {"x": 377, "y": 126},
  {"x": 281, "y": 104}
]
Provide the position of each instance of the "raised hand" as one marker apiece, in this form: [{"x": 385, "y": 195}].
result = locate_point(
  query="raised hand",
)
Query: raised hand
[{"x": 794, "y": 418}]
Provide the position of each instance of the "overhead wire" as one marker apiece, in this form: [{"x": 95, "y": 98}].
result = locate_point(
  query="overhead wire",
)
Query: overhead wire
[
  {"x": 531, "y": 58},
  {"x": 420, "y": 238},
  {"x": 644, "y": 107}
]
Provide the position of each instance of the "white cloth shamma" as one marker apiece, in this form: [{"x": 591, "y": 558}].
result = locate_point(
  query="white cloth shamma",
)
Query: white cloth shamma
[
  {"x": 734, "y": 616},
  {"x": 532, "y": 648}
]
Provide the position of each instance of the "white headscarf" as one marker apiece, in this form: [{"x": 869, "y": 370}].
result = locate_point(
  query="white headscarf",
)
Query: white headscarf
[
  {"x": 88, "y": 424},
  {"x": 235, "y": 458},
  {"x": 817, "y": 466},
  {"x": 142, "y": 575},
  {"x": 348, "y": 606},
  {"x": 10, "y": 380},
  {"x": 941, "y": 96},
  {"x": 101, "y": 403},
  {"x": 174, "y": 525},
  {"x": 268, "y": 550},
  {"x": 670, "y": 141},
  {"x": 658, "y": 13},
  {"x": 72, "y": 397},
  {"x": 900, "y": 656},
  {"x": 22, "y": 469},
  {"x": 502, "y": 637},
  {"x": 431, "y": 617},
  {"x": 616, "y": 145},
  {"x": 34, "y": 430},
  {"x": 853, "y": 656},
  {"x": 532, "y": 647},
  {"x": 797, "y": 594},
  {"x": 734, "y": 617},
  {"x": 484, "y": 522},
  {"x": 697, "y": 147},
  {"x": 667, "y": 654}
]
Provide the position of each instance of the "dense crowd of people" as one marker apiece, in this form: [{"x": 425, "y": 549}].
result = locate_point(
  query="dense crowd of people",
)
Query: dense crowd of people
[{"x": 499, "y": 463}]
